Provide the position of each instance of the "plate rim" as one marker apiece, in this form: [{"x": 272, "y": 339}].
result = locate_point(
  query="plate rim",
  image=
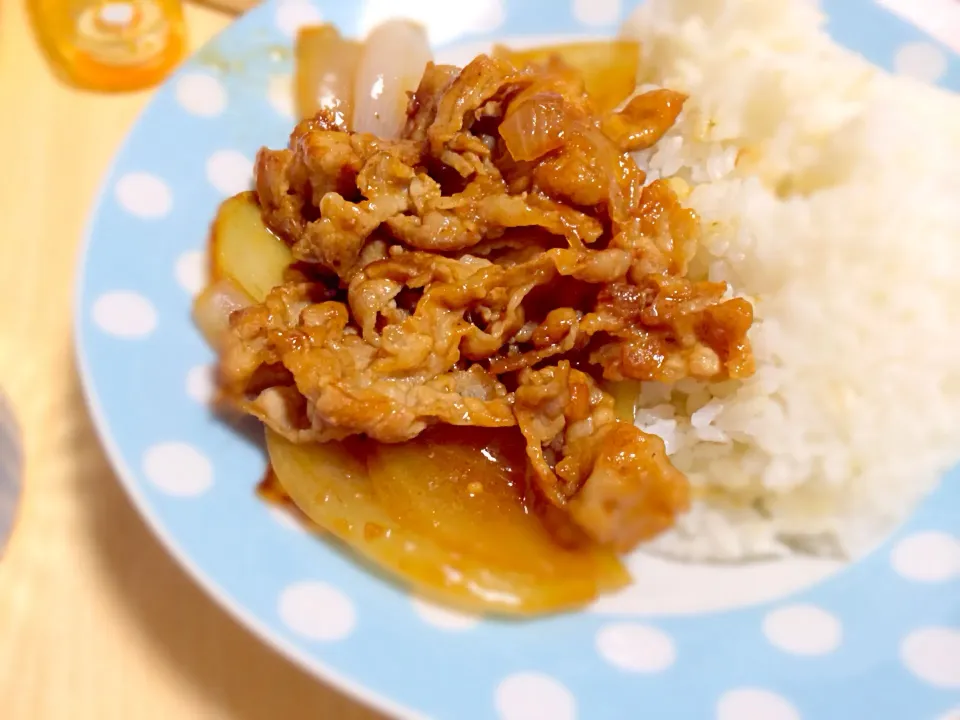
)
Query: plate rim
[{"x": 245, "y": 618}]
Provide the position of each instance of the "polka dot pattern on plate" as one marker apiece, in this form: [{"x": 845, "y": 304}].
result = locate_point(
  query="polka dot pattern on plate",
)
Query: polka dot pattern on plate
[
  {"x": 143, "y": 195},
  {"x": 317, "y": 611},
  {"x": 201, "y": 94},
  {"x": 597, "y": 12},
  {"x": 230, "y": 172},
  {"x": 927, "y": 557},
  {"x": 755, "y": 704},
  {"x": 200, "y": 383},
  {"x": 124, "y": 314},
  {"x": 680, "y": 588},
  {"x": 636, "y": 648},
  {"x": 933, "y": 655},
  {"x": 534, "y": 696},
  {"x": 191, "y": 271},
  {"x": 952, "y": 714},
  {"x": 178, "y": 469},
  {"x": 291, "y": 15},
  {"x": 443, "y": 618},
  {"x": 803, "y": 630},
  {"x": 921, "y": 60}
]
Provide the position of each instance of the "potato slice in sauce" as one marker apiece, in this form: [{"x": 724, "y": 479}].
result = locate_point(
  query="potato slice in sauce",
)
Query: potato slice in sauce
[
  {"x": 445, "y": 513},
  {"x": 244, "y": 251}
]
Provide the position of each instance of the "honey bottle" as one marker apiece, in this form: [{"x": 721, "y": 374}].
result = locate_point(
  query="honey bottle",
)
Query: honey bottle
[{"x": 111, "y": 45}]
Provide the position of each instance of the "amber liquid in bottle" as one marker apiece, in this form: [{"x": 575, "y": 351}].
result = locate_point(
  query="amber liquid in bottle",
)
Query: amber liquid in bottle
[{"x": 111, "y": 45}]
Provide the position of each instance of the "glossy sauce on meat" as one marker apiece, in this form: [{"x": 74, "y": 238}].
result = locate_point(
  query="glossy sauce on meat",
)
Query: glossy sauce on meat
[{"x": 486, "y": 270}]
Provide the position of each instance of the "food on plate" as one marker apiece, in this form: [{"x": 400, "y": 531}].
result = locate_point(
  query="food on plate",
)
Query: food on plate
[
  {"x": 391, "y": 64},
  {"x": 325, "y": 67},
  {"x": 446, "y": 512},
  {"x": 487, "y": 262},
  {"x": 655, "y": 291},
  {"x": 826, "y": 191},
  {"x": 364, "y": 85},
  {"x": 246, "y": 262},
  {"x": 243, "y": 250},
  {"x": 608, "y": 67}
]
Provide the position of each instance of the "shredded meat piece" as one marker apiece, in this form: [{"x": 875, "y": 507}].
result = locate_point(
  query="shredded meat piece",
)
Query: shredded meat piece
[
  {"x": 644, "y": 120},
  {"x": 555, "y": 406},
  {"x": 667, "y": 329},
  {"x": 614, "y": 479},
  {"x": 631, "y": 492},
  {"x": 484, "y": 210},
  {"x": 483, "y": 81},
  {"x": 489, "y": 268},
  {"x": 390, "y": 393},
  {"x": 422, "y": 109}
]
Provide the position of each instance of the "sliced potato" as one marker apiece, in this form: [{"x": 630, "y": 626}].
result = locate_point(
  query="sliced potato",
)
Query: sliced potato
[
  {"x": 244, "y": 251},
  {"x": 609, "y": 67},
  {"x": 467, "y": 488},
  {"x": 474, "y": 547}
]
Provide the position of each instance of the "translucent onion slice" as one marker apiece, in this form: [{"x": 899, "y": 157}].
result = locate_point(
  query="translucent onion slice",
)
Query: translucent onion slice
[
  {"x": 392, "y": 63},
  {"x": 325, "y": 72},
  {"x": 243, "y": 250},
  {"x": 212, "y": 309},
  {"x": 609, "y": 67},
  {"x": 625, "y": 396},
  {"x": 418, "y": 513},
  {"x": 535, "y": 127}
]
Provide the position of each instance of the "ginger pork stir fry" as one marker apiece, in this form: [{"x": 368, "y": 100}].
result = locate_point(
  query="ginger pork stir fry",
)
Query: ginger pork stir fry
[{"x": 493, "y": 266}]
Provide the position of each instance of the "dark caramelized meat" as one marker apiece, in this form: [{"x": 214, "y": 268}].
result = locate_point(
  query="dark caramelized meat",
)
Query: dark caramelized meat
[{"x": 483, "y": 270}]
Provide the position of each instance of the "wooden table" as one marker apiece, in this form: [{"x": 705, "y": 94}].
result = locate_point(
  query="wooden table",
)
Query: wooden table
[{"x": 95, "y": 620}]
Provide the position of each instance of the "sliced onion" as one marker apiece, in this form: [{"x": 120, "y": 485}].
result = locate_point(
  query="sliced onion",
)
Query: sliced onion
[
  {"x": 444, "y": 518},
  {"x": 534, "y": 127},
  {"x": 394, "y": 57},
  {"x": 213, "y": 307},
  {"x": 326, "y": 68}
]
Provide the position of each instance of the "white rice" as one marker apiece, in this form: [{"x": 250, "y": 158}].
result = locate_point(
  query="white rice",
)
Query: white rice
[{"x": 830, "y": 196}]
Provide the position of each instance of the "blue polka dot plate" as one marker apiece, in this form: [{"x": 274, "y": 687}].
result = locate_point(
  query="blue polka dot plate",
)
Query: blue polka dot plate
[{"x": 781, "y": 641}]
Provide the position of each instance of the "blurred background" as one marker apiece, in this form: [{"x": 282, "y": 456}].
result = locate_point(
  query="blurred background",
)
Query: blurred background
[{"x": 96, "y": 620}]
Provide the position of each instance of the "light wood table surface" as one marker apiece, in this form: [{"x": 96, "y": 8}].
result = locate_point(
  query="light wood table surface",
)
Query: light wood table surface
[{"x": 95, "y": 620}]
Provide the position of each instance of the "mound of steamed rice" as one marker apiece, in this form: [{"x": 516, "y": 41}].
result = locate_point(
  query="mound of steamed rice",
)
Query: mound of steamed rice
[{"x": 829, "y": 194}]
